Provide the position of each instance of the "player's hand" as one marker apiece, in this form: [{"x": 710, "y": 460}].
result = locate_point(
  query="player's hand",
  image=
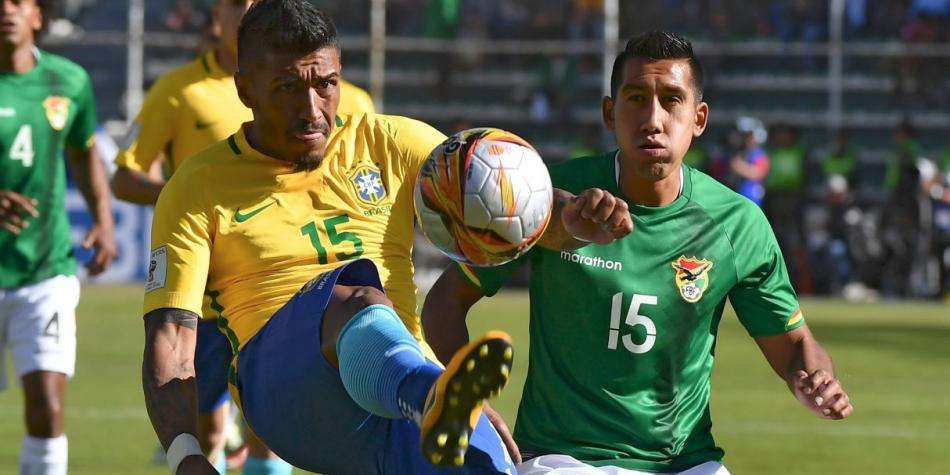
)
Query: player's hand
[
  {"x": 14, "y": 210},
  {"x": 822, "y": 393},
  {"x": 499, "y": 424},
  {"x": 102, "y": 239},
  {"x": 596, "y": 216},
  {"x": 196, "y": 465}
]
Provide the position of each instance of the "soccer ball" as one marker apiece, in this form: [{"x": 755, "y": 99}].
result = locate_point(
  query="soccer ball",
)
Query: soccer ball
[{"x": 483, "y": 197}]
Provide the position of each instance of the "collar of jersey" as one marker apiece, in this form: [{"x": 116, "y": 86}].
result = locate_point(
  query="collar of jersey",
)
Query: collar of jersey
[
  {"x": 40, "y": 60},
  {"x": 686, "y": 188}
]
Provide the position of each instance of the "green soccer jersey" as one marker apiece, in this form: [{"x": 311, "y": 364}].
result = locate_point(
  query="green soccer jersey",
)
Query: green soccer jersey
[
  {"x": 623, "y": 335},
  {"x": 41, "y": 111}
]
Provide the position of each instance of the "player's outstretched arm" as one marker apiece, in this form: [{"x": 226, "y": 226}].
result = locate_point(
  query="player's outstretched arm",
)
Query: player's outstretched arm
[
  {"x": 90, "y": 177},
  {"x": 594, "y": 215},
  {"x": 443, "y": 321},
  {"x": 168, "y": 379},
  {"x": 808, "y": 371}
]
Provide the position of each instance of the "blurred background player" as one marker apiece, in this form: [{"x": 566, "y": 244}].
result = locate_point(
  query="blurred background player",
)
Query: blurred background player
[
  {"x": 630, "y": 356},
  {"x": 186, "y": 111},
  {"x": 46, "y": 107}
]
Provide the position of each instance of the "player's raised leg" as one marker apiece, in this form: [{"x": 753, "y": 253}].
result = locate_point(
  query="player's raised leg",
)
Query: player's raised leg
[
  {"x": 377, "y": 397},
  {"x": 384, "y": 370}
]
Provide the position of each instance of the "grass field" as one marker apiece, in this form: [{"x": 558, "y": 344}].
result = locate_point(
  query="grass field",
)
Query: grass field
[{"x": 893, "y": 358}]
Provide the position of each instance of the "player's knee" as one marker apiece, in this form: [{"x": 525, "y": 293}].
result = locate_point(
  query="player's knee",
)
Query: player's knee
[{"x": 364, "y": 297}]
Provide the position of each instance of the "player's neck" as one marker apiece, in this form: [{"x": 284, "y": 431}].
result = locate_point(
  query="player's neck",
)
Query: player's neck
[
  {"x": 226, "y": 60},
  {"x": 647, "y": 192},
  {"x": 18, "y": 59},
  {"x": 253, "y": 136}
]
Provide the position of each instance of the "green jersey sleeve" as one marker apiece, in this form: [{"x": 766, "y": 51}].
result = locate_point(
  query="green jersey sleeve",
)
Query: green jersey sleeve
[
  {"x": 84, "y": 126},
  {"x": 763, "y": 297},
  {"x": 490, "y": 279}
]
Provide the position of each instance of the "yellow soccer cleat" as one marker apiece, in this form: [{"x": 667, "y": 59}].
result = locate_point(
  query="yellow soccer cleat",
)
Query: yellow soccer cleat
[{"x": 478, "y": 370}]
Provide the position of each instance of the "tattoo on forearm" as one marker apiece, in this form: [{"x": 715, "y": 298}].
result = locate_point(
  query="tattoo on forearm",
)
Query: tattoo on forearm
[
  {"x": 182, "y": 318},
  {"x": 168, "y": 374}
]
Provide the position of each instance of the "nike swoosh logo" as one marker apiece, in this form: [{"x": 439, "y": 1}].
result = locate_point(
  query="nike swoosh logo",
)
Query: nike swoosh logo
[{"x": 246, "y": 216}]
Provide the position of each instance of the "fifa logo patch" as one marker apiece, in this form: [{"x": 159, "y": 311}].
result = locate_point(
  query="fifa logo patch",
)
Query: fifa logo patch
[
  {"x": 692, "y": 277},
  {"x": 368, "y": 184},
  {"x": 57, "y": 111}
]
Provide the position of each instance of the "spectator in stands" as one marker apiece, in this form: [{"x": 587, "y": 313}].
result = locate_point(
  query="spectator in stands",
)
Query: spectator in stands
[
  {"x": 402, "y": 17},
  {"x": 840, "y": 159},
  {"x": 559, "y": 82},
  {"x": 750, "y": 162},
  {"x": 902, "y": 213},
  {"x": 188, "y": 15},
  {"x": 785, "y": 200},
  {"x": 798, "y": 20},
  {"x": 906, "y": 152},
  {"x": 833, "y": 263},
  {"x": 586, "y": 20},
  {"x": 441, "y": 19}
]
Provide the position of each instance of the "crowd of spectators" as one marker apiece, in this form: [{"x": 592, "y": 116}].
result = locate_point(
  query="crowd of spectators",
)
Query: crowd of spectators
[{"x": 843, "y": 228}]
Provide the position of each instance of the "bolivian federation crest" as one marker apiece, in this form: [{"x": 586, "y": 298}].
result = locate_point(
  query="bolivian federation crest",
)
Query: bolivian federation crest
[
  {"x": 57, "y": 111},
  {"x": 368, "y": 183},
  {"x": 692, "y": 277}
]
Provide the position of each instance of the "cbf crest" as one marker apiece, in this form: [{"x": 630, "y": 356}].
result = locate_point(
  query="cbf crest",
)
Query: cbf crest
[
  {"x": 57, "y": 111},
  {"x": 368, "y": 184},
  {"x": 692, "y": 277}
]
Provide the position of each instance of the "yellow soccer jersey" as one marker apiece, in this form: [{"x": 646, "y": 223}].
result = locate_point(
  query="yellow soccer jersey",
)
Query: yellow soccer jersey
[
  {"x": 256, "y": 231},
  {"x": 185, "y": 112},
  {"x": 354, "y": 100}
]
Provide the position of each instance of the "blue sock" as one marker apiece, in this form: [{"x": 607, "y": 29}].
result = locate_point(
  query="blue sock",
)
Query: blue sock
[
  {"x": 221, "y": 463},
  {"x": 259, "y": 466},
  {"x": 382, "y": 366}
]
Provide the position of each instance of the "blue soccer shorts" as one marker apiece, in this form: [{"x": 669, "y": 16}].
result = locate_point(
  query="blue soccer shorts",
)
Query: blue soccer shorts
[
  {"x": 294, "y": 400},
  {"x": 212, "y": 358}
]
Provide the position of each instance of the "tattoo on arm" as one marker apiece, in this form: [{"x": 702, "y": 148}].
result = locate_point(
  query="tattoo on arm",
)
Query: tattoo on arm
[{"x": 175, "y": 316}]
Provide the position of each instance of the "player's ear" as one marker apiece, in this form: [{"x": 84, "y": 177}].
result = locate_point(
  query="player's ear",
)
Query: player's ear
[
  {"x": 702, "y": 118},
  {"x": 242, "y": 84},
  {"x": 607, "y": 109},
  {"x": 36, "y": 23}
]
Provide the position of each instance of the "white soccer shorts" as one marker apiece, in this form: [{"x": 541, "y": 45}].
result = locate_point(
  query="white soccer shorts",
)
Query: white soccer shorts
[
  {"x": 38, "y": 324},
  {"x": 566, "y": 465}
]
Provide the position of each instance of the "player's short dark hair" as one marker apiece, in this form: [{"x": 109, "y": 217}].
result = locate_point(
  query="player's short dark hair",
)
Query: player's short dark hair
[
  {"x": 657, "y": 45},
  {"x": 294, "y": 26}
]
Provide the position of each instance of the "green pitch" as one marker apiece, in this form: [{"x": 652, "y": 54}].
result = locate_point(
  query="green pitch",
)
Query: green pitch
[{"x": 893, "y": 358}]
